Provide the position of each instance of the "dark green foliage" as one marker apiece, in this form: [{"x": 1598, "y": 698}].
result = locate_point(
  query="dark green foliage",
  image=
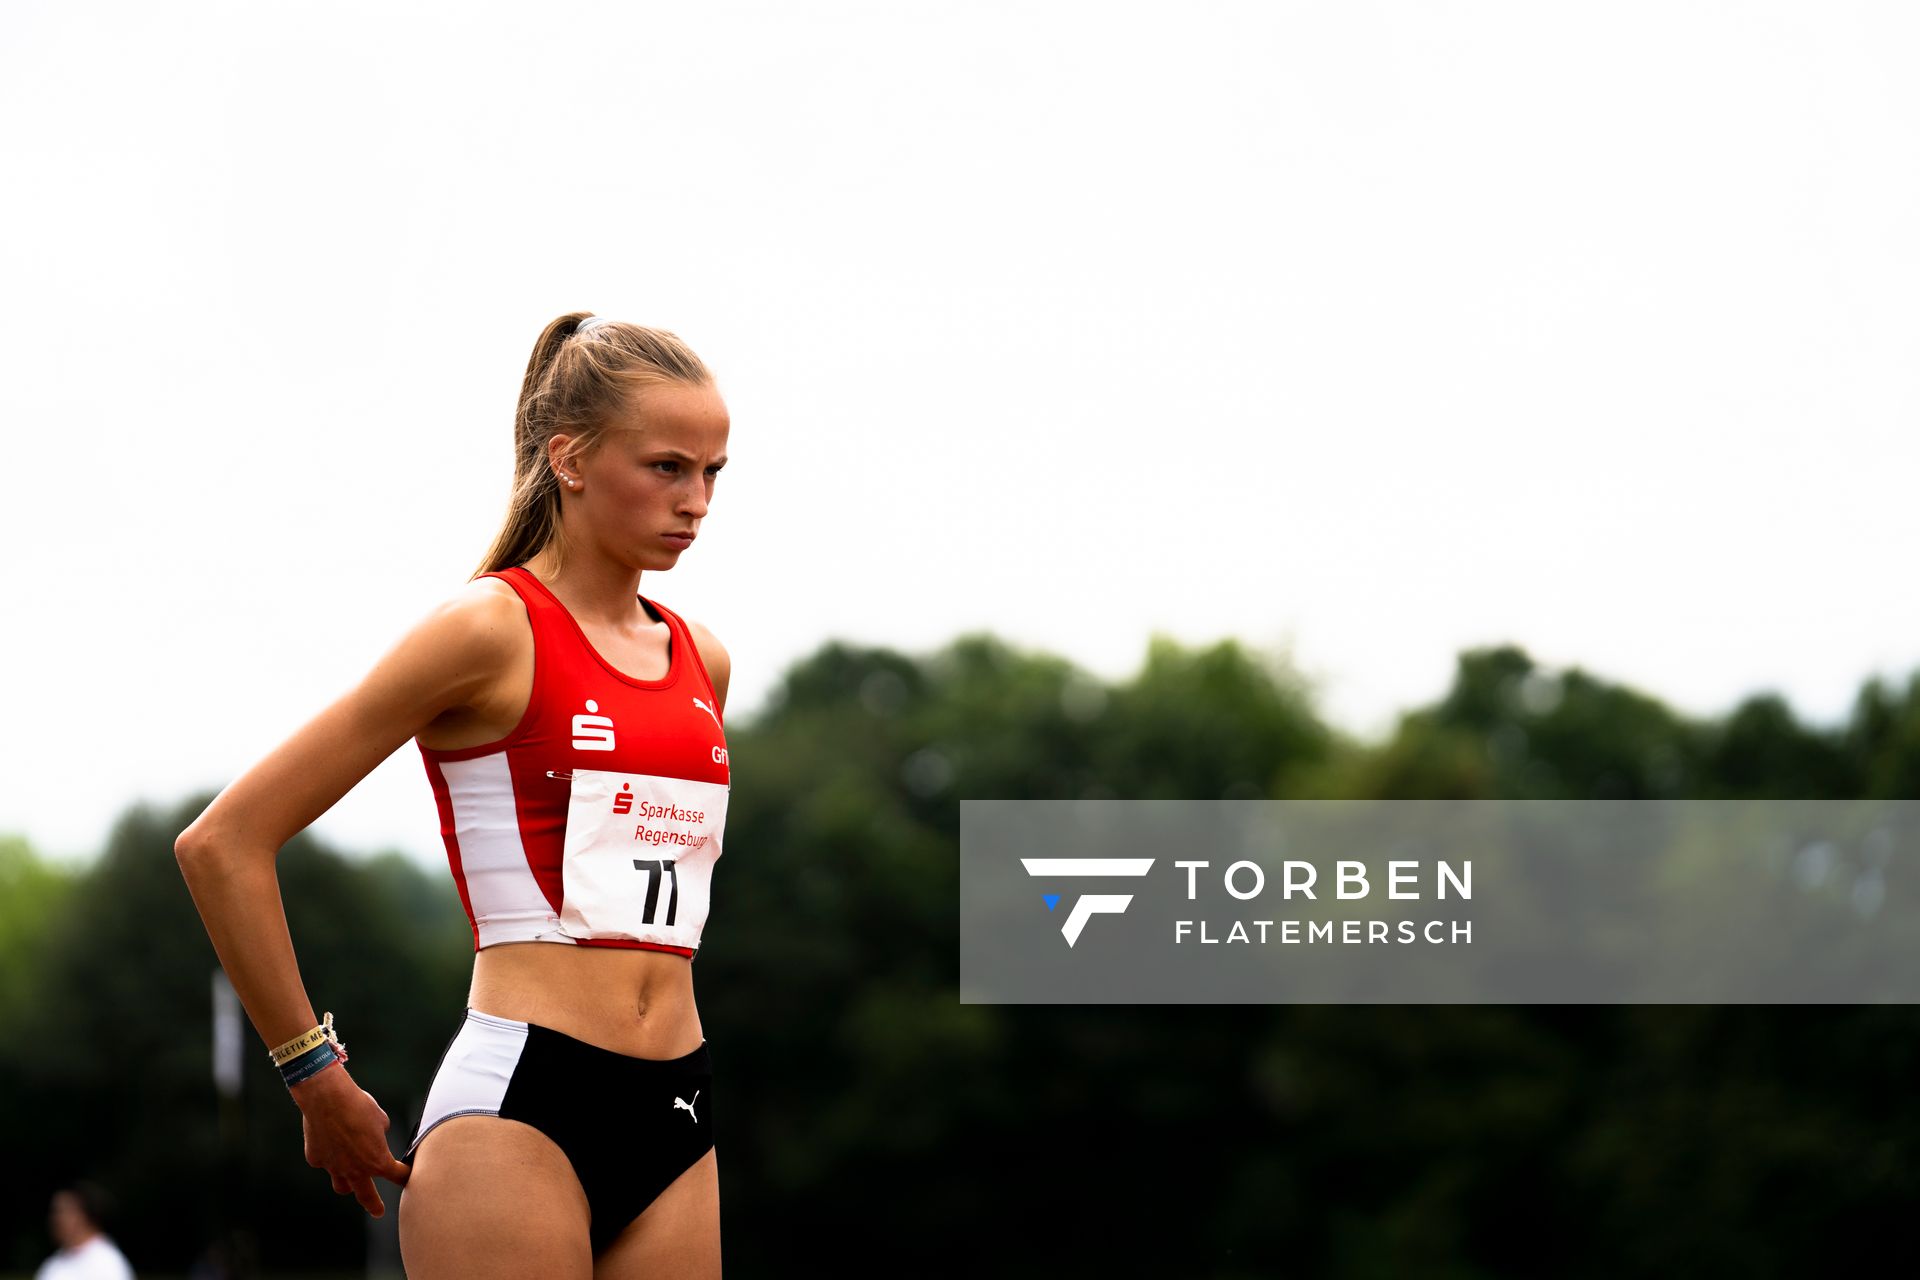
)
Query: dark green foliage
[{"x": 32, "y": 896}]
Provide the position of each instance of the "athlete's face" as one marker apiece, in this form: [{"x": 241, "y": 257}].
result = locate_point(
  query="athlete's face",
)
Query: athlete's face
[{"x": 645, "y": 489}]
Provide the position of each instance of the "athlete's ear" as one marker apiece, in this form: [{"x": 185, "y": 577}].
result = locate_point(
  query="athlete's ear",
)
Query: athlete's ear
[{"x": 562, "y": 461}]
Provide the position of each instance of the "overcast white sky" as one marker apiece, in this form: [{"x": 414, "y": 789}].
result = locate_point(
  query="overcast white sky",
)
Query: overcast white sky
[{"x": 1377, "y": 330}]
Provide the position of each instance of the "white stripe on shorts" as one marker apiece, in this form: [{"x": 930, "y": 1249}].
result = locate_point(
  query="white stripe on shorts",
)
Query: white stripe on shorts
[{"x": 473, "y": 1077}]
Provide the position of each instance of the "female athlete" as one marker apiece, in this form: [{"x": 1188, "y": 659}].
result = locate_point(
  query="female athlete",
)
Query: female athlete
[{"x": 571, "y": 730}]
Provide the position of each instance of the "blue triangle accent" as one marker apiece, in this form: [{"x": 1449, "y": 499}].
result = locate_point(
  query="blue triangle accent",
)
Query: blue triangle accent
[{"x": 1052, "y": 900}]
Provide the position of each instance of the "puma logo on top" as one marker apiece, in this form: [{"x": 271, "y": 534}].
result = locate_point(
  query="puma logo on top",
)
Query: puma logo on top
[
  {"x": 679, "y": 1103},
  {"x": 593, "y": 732},
  {"x": 709, "y": 710}
]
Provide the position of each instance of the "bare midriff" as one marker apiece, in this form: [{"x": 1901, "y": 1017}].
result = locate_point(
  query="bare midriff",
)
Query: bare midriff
[{"x": 639, "y": 1003}]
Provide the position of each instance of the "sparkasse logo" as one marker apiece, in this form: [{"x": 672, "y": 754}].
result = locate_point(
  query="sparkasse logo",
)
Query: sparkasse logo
[{"x": 1089, "y": 904}]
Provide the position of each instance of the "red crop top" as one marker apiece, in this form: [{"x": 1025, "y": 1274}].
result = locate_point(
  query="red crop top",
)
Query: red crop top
[{"x": 598, "y": 819}]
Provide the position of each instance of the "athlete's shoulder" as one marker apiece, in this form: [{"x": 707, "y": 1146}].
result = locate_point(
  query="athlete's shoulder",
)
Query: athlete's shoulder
[
  {"x": 713, "y": 655},
  {"x": 490, "y": 595},
  {"x": 702, "y": 635},
  {"x": 483, "y": 617},
  {"x": 463, "y": 642}
]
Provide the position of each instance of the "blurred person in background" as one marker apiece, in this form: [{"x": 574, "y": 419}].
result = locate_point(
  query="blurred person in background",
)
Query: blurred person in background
[
  {"x": 77, "y": 1221},
  {"x": 571, "y": 731}
]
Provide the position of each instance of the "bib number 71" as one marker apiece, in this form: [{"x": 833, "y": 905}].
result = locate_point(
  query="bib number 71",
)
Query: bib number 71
[{"x": 659, "y": 869}]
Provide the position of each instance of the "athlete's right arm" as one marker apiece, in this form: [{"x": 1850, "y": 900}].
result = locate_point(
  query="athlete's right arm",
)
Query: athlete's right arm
[{"x": 449, "y": 659}]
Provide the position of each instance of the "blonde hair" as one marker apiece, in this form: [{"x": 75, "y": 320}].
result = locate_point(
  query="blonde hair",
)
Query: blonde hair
[{"x": 577, "y": 381}]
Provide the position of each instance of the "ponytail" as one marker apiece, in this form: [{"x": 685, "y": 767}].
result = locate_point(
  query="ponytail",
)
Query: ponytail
[{"x": 577, "y": 380}]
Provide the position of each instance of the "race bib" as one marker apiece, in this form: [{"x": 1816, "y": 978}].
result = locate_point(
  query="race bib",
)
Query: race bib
[{"x": 638, "y": 859}]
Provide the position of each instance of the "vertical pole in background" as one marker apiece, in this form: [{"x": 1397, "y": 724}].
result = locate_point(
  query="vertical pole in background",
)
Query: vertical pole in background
[
  {"x": 229, "y": 1035},
  {"x": 226, "y": 1044}
]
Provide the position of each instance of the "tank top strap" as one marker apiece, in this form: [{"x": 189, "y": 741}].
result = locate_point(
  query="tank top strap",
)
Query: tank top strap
[
  {"x": 684, "y": 644},
  {"x": 546, "y": 614},
  {"x": 516, "y": 577}
]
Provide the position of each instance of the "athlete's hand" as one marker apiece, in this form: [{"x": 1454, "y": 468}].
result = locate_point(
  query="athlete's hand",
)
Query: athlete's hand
[{"x": 346, "y": 1133}]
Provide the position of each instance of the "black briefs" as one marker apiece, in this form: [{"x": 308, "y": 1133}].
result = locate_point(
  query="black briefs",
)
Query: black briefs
[{"x": 630, "y": 1126}]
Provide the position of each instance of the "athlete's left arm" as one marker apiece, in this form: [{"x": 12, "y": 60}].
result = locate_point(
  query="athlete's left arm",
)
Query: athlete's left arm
[{"x": 714, "y": 655}]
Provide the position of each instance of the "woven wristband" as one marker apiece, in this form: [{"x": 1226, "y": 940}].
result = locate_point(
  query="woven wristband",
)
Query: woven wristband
[
  {"x": 305, "y": 1041},
  {"x": 311, "y": 1063}
]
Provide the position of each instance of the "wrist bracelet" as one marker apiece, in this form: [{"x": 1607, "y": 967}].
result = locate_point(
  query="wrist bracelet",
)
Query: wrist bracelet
[
  {"x": 305, "y": 1042},
  {"x": 311, "y": 1063}
]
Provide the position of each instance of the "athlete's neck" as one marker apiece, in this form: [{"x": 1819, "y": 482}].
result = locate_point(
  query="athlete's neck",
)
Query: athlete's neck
[{"x": 593, "y": 590}]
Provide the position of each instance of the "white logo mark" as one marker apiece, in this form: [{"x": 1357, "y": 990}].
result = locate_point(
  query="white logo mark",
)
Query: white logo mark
[
  {"x": 709, "y": 710},
  {"x": 592, "y": 733},
  {"x": 1092, "y": 904},
  {"x": 677, "y": 1104}
]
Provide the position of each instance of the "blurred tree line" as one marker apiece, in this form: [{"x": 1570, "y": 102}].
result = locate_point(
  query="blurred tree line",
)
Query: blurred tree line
[{"x": 864, "y": 1111}]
